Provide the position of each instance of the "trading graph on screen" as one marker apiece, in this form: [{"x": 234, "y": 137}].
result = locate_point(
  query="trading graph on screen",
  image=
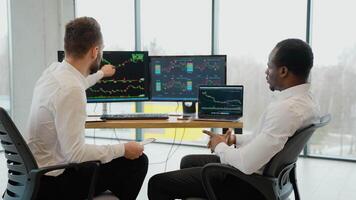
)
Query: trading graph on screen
[
  {"x": 221, "y": 101},
  {"x": 130, "y": 81},
  {"x": 177, "y": 78}
]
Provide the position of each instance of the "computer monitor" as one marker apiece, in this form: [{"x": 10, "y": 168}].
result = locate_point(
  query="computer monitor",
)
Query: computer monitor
[
  {"x": 60, "y": 56},
  {"x": 221, "y": 102},
  {"x": 177, "y": 78},
  {"x": 130, "y": 81}
]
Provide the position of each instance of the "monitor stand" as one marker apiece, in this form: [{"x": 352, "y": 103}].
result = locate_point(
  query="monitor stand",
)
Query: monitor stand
[
  {"x": 105, "y": 108},
  {"x": 189, "y": 109}
]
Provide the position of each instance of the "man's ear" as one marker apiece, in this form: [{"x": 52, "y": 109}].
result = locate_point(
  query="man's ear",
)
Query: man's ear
[
  {"x": 283, "y": 71},
  {"x": 94, "y": 51}
]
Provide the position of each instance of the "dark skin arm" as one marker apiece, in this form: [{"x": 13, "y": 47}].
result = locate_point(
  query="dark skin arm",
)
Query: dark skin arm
[{"x": 228, "y": 138}]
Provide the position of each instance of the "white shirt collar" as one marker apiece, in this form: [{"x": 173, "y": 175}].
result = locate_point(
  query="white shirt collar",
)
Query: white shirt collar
[
  {"x": 293, "y": 91},
  {"x": 76, "y": 73}
]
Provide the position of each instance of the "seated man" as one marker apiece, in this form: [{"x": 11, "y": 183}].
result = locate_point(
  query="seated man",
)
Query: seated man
[
  {"x": 293, "y": 108},
  {"x": 56, "y": 129}
]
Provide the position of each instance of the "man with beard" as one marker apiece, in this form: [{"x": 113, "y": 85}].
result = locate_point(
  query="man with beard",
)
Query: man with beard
[
  {"x": 293, "y": 107},
  {"x": 56, "y": 128}
]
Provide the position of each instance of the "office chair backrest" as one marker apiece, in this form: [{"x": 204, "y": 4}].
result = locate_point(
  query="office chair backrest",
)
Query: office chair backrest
[
  {"x": 20, "y": 160},
  {"x": 295, "y": 144}
]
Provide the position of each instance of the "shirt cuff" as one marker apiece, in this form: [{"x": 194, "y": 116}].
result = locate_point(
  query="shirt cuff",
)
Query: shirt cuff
[
  {"x": 220, "y": 148},
  {"x": 119, "y": 150},
  {"x": 100, "y": 74}
]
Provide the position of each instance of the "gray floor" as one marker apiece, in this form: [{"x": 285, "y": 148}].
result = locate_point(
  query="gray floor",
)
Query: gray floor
[{"x": 318, "y": 179}]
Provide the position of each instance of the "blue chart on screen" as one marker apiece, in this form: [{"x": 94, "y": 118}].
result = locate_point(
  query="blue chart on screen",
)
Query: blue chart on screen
[
  {"x": 221, "y": 102},
  {"x": 177, "y": 78}
]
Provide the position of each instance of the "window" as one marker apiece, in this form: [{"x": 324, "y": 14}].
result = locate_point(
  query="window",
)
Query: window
[
  {"x": 248, "y": 32},
  {"x": 4, "y": 57},
  {"x": 333, "y": 75},
  {"x": 177, "y": 27},
  {"x": 116, "y": 19}
]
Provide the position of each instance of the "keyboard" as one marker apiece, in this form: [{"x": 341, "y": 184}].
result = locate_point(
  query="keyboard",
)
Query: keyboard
[{"x": 134, "y": 116}]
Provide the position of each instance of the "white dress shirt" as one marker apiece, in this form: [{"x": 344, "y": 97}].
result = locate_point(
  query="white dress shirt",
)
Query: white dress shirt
[
  {"x": 56, "y": 125},
  {"x": 292, "y": 109}
]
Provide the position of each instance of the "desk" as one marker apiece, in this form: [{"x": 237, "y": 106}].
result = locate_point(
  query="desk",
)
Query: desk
[{"x": 158, "y": 123}]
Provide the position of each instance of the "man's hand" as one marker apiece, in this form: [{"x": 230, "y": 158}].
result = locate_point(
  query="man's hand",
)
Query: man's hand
[
  {"x": 108, "y": 70},
  {"x": 133, "y": 150},
  {"x": 215, "y": 139},
  {"x": 230, "y": 138}
]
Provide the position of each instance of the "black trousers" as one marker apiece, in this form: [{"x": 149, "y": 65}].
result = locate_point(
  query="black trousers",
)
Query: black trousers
[
  {"x": 123, "y": 177},
  {"x": 187, "y": 182}
]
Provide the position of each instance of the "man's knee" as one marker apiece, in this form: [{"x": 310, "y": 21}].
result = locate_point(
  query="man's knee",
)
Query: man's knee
[
  {"x": 155, "y": 186},
  {"x": 187, "y": 161},
  {"x": 154, "y": 181},
  {"x": 142, "y": 163},
  {"x": 143, "y": 160},
  {"x": 198, "y": 160}
]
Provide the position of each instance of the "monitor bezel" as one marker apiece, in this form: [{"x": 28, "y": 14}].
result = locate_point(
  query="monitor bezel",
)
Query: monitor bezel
[
  {"x": 180, "y": 56},
  {"x": 200, "y": 115},
  {"x": 118, "y": 100},
  {"x": 59, "y": 52}
]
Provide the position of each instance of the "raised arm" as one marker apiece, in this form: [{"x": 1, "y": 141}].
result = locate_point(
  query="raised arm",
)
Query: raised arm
[{"x": 105, "y": 71}]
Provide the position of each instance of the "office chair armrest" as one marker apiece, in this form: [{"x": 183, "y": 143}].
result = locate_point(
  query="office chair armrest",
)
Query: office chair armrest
[
  {"x": 36, "y": 174},
  {"x": 212, "y": 169},
  {"x": 44, "y": 170}
]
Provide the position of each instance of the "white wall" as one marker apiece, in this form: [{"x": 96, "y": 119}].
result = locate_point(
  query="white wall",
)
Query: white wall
[{"x": 37, "y": 28}]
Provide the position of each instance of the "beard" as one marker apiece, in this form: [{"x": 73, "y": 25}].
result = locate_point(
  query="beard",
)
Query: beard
[
  {"x": 95, "y": 65},
  {"x": 272, "y": 88}
]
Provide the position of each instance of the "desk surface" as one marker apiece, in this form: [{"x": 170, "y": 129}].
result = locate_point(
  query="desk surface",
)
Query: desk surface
[{"x": 170, "y": 123}]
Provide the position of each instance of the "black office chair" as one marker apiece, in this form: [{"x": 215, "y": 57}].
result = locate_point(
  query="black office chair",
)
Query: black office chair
[
  {"x": 24, "y": 176},
  {"x": 279, "y": 175}
]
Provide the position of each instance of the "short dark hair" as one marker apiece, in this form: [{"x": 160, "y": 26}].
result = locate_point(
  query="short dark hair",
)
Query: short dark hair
[
  {"x": 81, "y": 34},
  {"x": 296, "y": 55}
]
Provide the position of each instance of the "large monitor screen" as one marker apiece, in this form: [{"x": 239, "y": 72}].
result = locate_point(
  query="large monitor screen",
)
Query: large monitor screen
[
  {"x": 130, "y": 81},
  {"x": 177, "y": 78}
]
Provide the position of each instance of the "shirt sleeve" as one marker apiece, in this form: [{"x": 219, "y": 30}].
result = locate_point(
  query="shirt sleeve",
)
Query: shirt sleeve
[
  {"x": 70, "y": 116},
  {"x": 242, "y": 139},
  {"x": 277, "y": 127},
  {"x": 93, "y": 78}
]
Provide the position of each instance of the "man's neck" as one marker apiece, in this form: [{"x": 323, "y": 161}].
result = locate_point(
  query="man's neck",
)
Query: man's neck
[
  {"x": 80, "y": 65},
  {"x": 295, "y": 84},
  {"x": 292, "y": 81}
]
